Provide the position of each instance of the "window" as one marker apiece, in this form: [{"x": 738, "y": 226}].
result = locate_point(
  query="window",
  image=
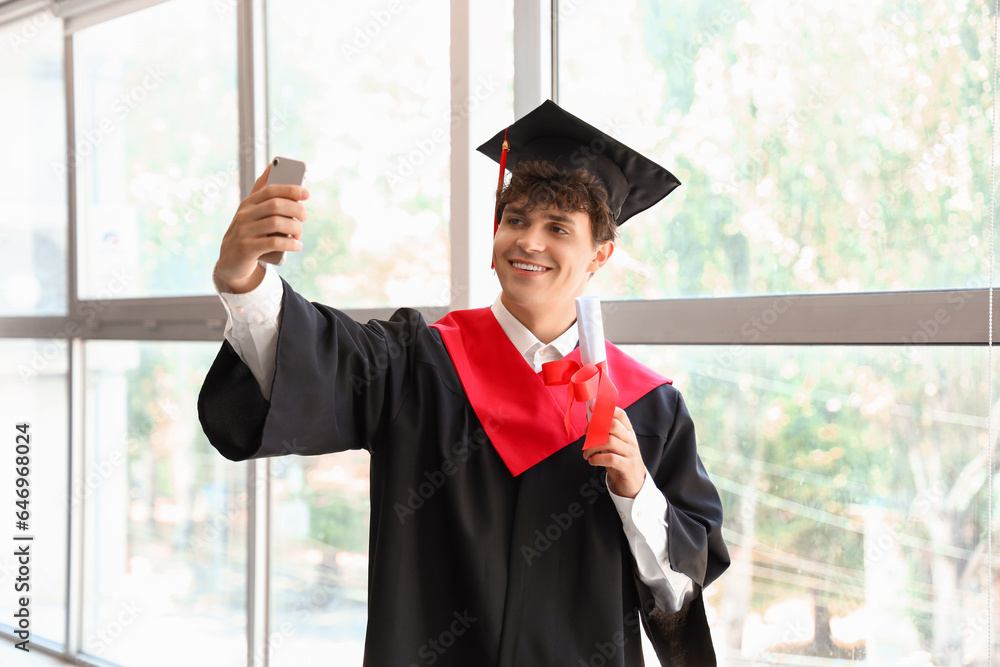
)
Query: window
[
  {"x": 360, "y": 92},
  {"x": 855, "y": 493},
  {"x": 156, "y": 149},
  {"x": 165, "y": 517},
  {"x": 32, "y": 172},
  {"x": 809, "y": 140},
  {"x": 319, "y": 568}
]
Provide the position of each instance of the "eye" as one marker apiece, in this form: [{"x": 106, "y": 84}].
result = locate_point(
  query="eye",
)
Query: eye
[
  {"x": 559, "y": 230},
  {"x": 514, "y": 221}
]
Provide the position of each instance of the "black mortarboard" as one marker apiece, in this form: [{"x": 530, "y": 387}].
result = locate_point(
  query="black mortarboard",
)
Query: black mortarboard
[{"x": 634, "y": 183}]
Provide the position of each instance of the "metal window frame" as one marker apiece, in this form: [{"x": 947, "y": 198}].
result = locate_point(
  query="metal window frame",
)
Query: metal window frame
[
  {"x": 927, "y": 317},
  {"x": 534, "y": 61},
  {"x": 252, "y": 91},
  {"x": 924, "y": 317}
]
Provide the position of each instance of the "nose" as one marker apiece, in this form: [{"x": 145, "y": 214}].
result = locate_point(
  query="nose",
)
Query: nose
[{"x": 530, "y": 240}]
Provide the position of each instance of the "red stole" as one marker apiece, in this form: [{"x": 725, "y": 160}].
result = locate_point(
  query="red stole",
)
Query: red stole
[{"x": 524, "y": 418}]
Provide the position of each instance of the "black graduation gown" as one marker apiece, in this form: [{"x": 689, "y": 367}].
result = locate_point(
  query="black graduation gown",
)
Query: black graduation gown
[{"x": 469, "y": 565}]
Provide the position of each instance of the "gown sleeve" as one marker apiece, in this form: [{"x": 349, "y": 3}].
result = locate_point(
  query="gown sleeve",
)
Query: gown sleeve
[
  {"x": 694, "y": 509},
  {"x": 336, "y": 382},
  {"x": 694, "y": 535}
]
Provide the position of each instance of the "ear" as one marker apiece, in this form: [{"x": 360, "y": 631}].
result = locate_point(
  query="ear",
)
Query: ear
[{"x": 601, "y": 257}]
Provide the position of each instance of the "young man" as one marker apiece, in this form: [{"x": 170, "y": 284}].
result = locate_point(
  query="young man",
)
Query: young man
[{"x": 522, "y": 550}]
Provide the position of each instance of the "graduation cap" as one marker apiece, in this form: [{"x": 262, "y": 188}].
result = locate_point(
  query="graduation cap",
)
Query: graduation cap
[{"x": 634, "y": 182}]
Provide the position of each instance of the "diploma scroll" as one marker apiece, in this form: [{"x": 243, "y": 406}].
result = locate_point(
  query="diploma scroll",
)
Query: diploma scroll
[
  {"x": 590, "y": 324},
  {"x": 601, "y": 404},
  {"x": 588, "y": 379}
]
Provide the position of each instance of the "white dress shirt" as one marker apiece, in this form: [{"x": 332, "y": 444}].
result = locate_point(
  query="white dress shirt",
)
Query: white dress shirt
[{"x": 254, "y": 319}]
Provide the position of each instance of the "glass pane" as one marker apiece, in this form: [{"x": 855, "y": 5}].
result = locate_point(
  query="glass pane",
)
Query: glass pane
[
  {"x": 854, "y": 483},
  {"x": 33, "y": 218},
  {"x": 165, "y": 525},
  {"x": 361, "y": 93},
  {"x": 319, "y": 572},
  {"x": 156, "y": 148},
  {"x": 822, "y": 148},
  {"x": 33, "y": 386}
]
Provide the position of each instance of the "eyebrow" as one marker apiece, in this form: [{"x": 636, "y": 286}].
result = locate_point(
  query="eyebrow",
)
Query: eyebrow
[{"x": 555, "y": 217}]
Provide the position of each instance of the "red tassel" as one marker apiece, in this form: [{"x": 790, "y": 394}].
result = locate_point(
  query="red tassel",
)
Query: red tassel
[{"x": 503, "y": 168}]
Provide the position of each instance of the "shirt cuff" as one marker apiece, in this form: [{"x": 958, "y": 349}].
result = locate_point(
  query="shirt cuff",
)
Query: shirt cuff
[
  {"x": 252, "y": 324},
  {"x": 259, "y": 305},
  {"x": 646, "y": 514}
]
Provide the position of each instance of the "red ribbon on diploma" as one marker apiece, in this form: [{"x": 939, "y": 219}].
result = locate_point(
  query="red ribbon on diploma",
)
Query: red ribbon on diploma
[{"x": 586, "y": 382}]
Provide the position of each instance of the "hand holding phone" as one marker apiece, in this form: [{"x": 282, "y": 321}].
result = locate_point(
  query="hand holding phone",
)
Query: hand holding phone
[{"x": 284, "y": 171}]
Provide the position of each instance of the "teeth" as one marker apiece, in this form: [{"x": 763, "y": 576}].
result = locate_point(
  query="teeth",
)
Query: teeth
[{"x": 527, "y": 267}]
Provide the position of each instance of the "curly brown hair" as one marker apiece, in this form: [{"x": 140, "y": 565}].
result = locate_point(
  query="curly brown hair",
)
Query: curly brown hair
[{"x": 541, "y": 183}]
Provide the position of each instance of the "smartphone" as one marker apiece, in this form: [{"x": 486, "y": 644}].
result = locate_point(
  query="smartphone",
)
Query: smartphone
[{"x": 284, "y": 171}]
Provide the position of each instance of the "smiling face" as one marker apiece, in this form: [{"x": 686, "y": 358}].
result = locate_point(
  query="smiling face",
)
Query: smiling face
[{"x": 544, "y": 257}]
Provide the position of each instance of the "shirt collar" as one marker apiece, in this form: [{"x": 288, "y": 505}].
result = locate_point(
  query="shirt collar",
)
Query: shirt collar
[{"x": 526, "y": 342}]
